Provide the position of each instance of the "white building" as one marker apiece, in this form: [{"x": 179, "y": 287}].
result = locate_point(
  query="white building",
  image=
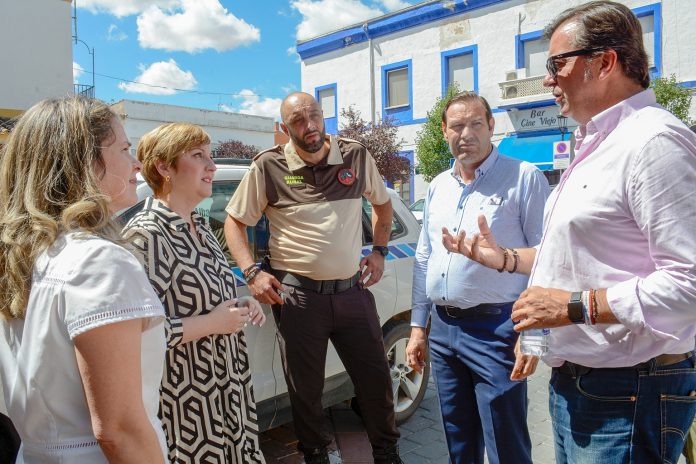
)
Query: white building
[
  {"x": 140, "y": 118},
  {"x": 36, "y": 53},
  {"x": 399, "y": 64}
]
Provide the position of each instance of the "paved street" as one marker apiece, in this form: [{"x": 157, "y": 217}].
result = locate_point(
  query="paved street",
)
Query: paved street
[{"x": 422, "y": 439}]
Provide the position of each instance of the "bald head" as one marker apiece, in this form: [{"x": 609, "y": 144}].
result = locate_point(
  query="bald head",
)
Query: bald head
[{"x": 296, "y": 101}]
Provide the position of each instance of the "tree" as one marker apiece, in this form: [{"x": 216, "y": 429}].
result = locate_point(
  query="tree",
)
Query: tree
[
  {"x": 432, "y": 150},
  {"x": 381, "y": 140},
  {"x": 673, "y": 97},
  {"x": 235, "y": 149}
]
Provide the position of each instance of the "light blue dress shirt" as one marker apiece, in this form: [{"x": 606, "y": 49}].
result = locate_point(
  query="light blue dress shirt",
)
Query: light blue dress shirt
[{"x": 511, "y": 194}]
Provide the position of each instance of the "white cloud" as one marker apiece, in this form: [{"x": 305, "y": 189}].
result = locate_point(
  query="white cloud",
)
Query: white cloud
[
  {"x": 321, "y": 16},
  {"x": 114, "y": 34},
  {"x": 162, "y": 78},
  {"x": 77, "y": 71},
  {"x": 122, "y": 8},
  {"x": 254, "y": 104},
  {"x": 393, "y": 5},
  {"x": 197, "y": 25}
]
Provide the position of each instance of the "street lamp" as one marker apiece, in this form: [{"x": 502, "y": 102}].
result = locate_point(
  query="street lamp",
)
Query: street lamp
[
  {"x": 91, "y": 52},
  {"x": 562, "y": 125}
]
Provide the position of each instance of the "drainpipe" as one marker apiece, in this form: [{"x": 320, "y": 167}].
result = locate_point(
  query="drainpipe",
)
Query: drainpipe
[{"x": 372, "y": 74}]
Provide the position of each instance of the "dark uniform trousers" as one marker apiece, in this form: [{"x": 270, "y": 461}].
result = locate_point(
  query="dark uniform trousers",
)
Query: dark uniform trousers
[{"x": 306, "y": 322}]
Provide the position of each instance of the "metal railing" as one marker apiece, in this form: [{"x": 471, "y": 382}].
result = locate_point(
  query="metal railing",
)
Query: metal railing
[
  {"x": 527, "y": 87},
  {"x": 84, "y": 90}
]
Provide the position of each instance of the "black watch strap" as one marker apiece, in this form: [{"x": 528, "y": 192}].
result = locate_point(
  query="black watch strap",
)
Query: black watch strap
[
  {"x": 382, "y": 250},
  {"x": 575, "y": 309}
]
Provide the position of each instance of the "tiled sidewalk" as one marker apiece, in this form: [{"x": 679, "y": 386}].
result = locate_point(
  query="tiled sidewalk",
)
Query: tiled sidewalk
[{"x": 422, "y": 439}]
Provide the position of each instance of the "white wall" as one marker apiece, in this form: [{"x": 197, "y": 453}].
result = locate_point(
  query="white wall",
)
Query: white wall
[
  {"x": 36, "y": 52},
  {"x": 493, "y": 30},
  {"x": 141, "y": 117}
]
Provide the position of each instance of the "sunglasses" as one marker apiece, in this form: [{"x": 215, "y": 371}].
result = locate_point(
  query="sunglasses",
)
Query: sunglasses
[{"x": 552, "y": 65}]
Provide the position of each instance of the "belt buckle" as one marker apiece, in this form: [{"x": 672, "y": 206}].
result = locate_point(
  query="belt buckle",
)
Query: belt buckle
[{"x": 328, "y": 287}]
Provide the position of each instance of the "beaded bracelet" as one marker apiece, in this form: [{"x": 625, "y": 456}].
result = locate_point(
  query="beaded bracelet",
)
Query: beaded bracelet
[
  {"x": 585, "y": 298},
  {"x": 505, "y": 258},
  {"x": 251, "y": 274},
  {"x": 516, "y": 257},
  {"x": 595, "y": 307},
  {"x": 248, "y": 269}
]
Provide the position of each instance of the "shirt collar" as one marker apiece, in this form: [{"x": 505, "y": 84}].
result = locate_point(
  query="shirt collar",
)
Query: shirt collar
[
  {"x": 481, "y": 171},
  {"x": 606, "y": 121},
  {"x": 174, "y": 221},
  {"x": 295, "y": 162}
]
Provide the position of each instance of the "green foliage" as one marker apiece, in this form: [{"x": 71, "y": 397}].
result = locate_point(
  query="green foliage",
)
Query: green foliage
[
  {"x": 673, "y": 97},
  {"x": 431, "y": 148}
]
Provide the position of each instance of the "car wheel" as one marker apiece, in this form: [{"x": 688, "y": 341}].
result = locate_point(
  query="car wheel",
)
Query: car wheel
[{"x": 408, "y": 385}]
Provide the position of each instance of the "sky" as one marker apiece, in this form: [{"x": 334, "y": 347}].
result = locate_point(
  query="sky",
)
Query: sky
[{"x": 228, "y": 55}]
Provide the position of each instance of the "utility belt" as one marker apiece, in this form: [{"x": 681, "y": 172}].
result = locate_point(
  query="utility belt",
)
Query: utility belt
[
  {"x": 323, "y": 287},
  {"x": 574, "y": 370},
  {"x": 484, "y": 309}
]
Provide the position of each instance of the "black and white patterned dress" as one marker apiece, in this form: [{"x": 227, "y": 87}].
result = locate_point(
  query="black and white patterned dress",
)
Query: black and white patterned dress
[{"x": 207, "y": 405}]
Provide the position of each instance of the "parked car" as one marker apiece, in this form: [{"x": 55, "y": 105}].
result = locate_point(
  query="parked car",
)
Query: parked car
[
  {"x": 392, "y": 295},
  {"x": 417, "y": 209}
]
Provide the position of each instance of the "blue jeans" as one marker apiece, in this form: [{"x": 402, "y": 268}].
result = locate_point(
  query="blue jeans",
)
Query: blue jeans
[
  {"x": 616, "y": 416},
  {"x": 472, "y": 359}
]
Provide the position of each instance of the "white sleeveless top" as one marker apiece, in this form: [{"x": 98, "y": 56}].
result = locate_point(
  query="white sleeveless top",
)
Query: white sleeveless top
[{"x": 81, "y": 282}]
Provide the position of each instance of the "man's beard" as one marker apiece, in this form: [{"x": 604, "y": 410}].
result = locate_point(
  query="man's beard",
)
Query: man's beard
[{"x": 309, "y": 147}]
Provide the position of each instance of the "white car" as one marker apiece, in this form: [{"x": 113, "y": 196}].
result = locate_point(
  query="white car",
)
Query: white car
[
  {"x": 392, "y": 294},
  {"x": 417, "y": 209}
]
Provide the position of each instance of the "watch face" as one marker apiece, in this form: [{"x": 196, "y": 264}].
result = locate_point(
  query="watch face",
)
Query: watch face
[
  {"x": 384, "y": 251},
  {"x": 575, "y": 309}
]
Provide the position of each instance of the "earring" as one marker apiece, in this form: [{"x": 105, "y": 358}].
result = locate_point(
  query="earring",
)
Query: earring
[{"x": 167, "y": 178}]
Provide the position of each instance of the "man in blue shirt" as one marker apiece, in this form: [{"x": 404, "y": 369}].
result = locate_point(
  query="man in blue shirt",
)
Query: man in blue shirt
[{"x": 480, "y": 374}]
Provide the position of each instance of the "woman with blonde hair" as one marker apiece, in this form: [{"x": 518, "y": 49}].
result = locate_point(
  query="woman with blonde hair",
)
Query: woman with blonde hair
[
  {"x": 81, "y": 331},
  {"x": 207, "y": 404}
]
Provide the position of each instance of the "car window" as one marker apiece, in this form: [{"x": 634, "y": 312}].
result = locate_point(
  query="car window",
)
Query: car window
[
  {"x": 417, "y": 206},
  {"x": 397, "y": 229},
  {"x": 213, "y": 209}
]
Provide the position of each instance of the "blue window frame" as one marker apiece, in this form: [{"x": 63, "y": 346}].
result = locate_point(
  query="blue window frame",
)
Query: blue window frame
[
  {"x": 645, "y": 14},
  {"x": 451, "y": 62},
  {"x": 327, "y": 96},
  {"x": 397, "y": 92},
  {"x": 528, "y": 48}
]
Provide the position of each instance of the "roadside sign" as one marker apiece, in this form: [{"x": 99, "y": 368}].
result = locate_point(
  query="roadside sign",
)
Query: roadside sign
[{"x": 561, "y": 155}]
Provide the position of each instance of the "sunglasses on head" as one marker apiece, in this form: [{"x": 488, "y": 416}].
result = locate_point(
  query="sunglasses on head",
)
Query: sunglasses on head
[{"x": 552, "y": 66}]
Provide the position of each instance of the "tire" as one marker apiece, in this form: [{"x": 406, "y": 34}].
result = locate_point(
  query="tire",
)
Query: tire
[{"x": 409, "y": 386}]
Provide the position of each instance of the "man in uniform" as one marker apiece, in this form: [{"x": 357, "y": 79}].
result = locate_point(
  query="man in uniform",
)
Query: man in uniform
[{"x": 311, "y": 190}]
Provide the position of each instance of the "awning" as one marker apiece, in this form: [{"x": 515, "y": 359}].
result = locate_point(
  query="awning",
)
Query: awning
[{"x": 537, "y": 150}]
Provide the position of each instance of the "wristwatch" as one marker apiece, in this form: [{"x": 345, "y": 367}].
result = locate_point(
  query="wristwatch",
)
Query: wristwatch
[
  {"x": 575, "y": 310},
  {"x": 382, "y": 250}
]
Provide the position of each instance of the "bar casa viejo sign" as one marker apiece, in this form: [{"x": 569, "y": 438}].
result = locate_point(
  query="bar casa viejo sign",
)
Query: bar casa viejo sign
[{"x": 535, "y": 119}]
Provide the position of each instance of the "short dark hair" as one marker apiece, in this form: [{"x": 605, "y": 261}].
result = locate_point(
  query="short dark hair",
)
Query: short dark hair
[
  {"x": 606, "y": 24},
  {"x": 467, "y": 97}
]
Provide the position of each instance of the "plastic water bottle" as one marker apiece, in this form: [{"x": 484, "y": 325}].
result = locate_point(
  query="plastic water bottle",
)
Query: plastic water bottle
[{"x": 534, "y": 342}]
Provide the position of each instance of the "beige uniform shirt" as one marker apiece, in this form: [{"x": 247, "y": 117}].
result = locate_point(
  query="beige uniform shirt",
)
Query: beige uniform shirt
[{"x": 315, "y": 212}]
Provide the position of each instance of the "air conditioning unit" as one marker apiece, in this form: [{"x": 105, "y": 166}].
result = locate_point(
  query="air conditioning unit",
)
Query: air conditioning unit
[
  {"x": 510, "y": 92},
  {"x": 511, "y": 75}
]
